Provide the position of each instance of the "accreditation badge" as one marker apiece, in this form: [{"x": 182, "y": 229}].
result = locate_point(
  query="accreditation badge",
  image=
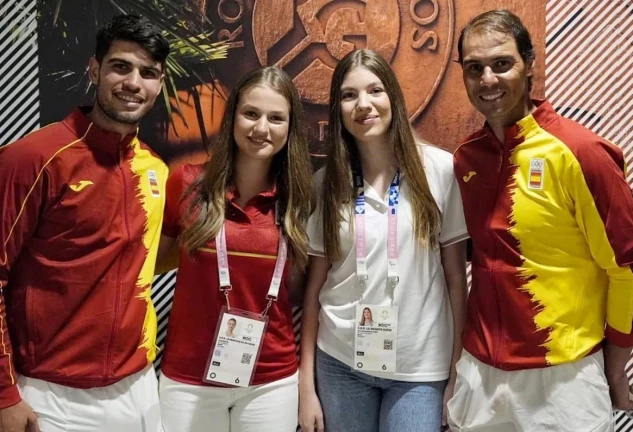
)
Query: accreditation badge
[
  {"x": 376, "y": 335},
  {"x": 238, "y": 341}
]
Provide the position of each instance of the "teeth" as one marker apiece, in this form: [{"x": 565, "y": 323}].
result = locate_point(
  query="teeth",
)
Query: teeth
[
  {"x": 492, "y": 96},
  {"x": 129, "y": 98}
]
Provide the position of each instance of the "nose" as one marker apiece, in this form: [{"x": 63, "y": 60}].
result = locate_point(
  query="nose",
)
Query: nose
[
  {"x": 261, "y": 126},
  {"x": 133, "y": 80},
  {"x": 488, "y": 77},
  {"x": 362, "y": 102}
]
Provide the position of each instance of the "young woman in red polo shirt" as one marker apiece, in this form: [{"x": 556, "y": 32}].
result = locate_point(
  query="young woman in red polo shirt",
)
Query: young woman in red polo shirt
[{"x": 230, "y": 361}]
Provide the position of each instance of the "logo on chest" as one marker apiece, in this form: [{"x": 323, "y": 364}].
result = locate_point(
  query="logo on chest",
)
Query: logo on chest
[
  {"x": 153, "y": 183},
  {"x": 470, "y": 175},
  {"x": 81, "y": 185},
  {"x": 536, "y": 175}
]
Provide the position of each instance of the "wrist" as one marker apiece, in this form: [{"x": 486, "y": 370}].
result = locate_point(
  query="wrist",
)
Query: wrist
[{"x": 306, "y": 387}]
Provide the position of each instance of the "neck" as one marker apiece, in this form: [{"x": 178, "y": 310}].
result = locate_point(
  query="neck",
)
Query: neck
[
  {"x": 499, "y": 127},
  {"x": 99, "y": 118},
  {"x": 251, "y": 177},
  {"x": 376, "y": 158}
]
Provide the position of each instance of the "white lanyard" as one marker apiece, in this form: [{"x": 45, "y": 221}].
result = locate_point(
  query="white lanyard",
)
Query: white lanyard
[
  {"x": 225, "y": 277},
  {"x": 392, "y": 232}
]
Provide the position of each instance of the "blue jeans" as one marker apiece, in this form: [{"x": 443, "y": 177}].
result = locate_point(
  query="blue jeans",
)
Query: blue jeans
[{"x": 353, "y": 401}]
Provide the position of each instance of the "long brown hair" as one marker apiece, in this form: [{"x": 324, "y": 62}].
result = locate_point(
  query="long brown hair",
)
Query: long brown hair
[
  {"x": 290, "y": 168},
  {"x": 338, "y": 192}
]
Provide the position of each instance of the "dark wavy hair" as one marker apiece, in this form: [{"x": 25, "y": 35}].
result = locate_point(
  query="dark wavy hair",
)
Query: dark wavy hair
[
  {"x": 132, "y": 28},
  {"x": 505, "y": 22}
]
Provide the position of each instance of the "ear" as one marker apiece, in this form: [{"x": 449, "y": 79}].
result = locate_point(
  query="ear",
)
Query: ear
[
  {"x": 530, "y": 67},
  {"x": 93, "y": 70}
]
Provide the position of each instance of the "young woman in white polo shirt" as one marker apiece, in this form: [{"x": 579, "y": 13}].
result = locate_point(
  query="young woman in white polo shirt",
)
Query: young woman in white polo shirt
[{"x": 388, "y": 234}]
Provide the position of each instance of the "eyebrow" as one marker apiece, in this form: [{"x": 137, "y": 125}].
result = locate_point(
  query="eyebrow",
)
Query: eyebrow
[
  {"x": 372, "y": 84},
  {"x": 128, "y": 63},
  {"x": 478, "y": 60},
  {"x": 251, "y": 107}
]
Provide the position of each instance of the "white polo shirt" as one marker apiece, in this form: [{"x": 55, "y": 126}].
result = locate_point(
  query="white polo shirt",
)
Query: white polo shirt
[{"x": 425, "y": 323}]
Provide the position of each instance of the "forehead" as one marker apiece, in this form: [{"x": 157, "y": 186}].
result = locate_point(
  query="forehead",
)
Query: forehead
[
  {"x": 482, "y": 45},
  {"x": 263, "y": 97},
  {"x": 359, "y": 77},
  {"x": 131, "y": 52}
]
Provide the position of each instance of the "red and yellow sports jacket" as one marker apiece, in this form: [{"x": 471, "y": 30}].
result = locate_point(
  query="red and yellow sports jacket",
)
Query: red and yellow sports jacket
[
  {"x": 550, "y": 215},
  {"x": 81, "y": 217}
]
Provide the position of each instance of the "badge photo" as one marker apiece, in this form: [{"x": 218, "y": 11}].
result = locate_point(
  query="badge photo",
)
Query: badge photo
[
  {"x": 375, "y": 338},
  {"x": 238, "y": 339}
]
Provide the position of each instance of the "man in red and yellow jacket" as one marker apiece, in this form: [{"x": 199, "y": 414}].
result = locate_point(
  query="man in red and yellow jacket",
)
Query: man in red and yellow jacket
[
  {"x": 82, "y": 203},
  {"x": 550, "y": 215}
]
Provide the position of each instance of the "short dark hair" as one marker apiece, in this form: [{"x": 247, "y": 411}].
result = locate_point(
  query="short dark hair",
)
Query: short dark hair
[
  {"x": 132, "y": 28},
  {"x": 505, "y": 22}
]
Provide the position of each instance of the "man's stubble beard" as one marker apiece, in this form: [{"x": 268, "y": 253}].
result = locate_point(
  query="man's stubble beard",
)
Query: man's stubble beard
[{"x": 112, "y": 114}]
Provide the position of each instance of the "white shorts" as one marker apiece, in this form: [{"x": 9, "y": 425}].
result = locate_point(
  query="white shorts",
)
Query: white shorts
[
  {"x": 271, "y": 407},
  {"x": 130, "y": 405},
  {"x": 572, "y": 397}
]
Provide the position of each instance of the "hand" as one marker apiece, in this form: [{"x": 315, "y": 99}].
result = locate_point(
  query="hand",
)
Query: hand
[
  {"x": 310, "y": 413},
  {"x": 615, "y": 359},
  {"x": 448, "y": 394},
  {"x": 18, "y": 418}
]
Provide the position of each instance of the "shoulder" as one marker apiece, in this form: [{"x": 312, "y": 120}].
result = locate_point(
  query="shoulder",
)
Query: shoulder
[
  {"x": 158, "y": 160},
  {"x": 469, "y": 141},
  {"x": 438, "y": 165},
  {"x": 181, "y": 177},
  {"x": 436, "y": 155},
  {"x": 39, "y": 147},
  {"x": 186, "y": 173},
  {"x": 587, "y": 147}
]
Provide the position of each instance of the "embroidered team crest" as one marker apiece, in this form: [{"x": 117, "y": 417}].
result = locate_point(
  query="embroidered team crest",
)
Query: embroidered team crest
[
  {"x": 153, "y": 183},
  {"x": 537, "y": 173}
]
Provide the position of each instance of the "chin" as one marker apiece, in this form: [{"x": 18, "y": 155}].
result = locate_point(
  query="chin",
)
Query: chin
[
  {"x": 260, "y": 155},
  {"x": 370, "y": 135}
]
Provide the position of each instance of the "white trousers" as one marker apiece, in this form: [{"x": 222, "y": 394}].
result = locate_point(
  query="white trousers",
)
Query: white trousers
[
  {"x": 269, "y": 407},
  {"x": 571, "y": 397},
  {"x": 130, "y": 405}
]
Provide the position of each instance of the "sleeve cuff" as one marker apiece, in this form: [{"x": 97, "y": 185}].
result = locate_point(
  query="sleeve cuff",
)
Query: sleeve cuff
[
  {"x": 455, "y": 239},
  {"x": 315, "y": 252},
  {"x": 618, "y": 339},
  {"x": 9, "y": 396}
]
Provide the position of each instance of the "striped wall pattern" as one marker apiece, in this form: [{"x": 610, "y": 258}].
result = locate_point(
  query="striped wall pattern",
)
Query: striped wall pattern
[
  {"x": 19, "y": 93},
  {"x": 589, "y": 78}
]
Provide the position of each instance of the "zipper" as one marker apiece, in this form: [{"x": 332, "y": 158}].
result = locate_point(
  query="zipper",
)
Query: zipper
[
  {"x": 501, "y": 186},
  {"x": 117, "y": 292}
]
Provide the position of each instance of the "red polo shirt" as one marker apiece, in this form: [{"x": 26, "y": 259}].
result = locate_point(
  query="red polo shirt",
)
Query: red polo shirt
[{"x": 252, "y": 240}]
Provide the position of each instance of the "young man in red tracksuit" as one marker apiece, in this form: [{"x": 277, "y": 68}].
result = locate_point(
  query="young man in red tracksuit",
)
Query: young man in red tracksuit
[
  {"x": 550, "y": 215},
  {"x": 82, "y": 203}
]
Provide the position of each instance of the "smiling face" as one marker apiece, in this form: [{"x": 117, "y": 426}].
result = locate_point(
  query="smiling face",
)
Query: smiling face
[
  {"x": 262, "y": 121},
  {"x": 365, "y": 106},
  {"x": 231, "y": 325},
  {"x": 128, "y": 81},
  {"x": 367, "y": 314},
  {"x": 496, "y": 77}
]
